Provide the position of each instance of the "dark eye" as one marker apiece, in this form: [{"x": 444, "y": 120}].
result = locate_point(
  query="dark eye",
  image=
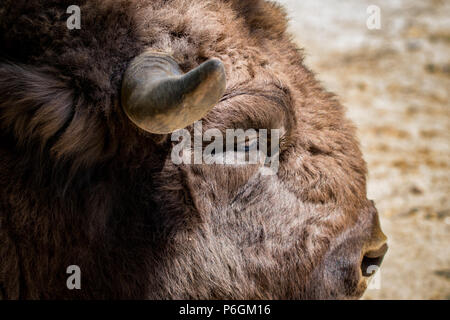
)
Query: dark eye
[
  {"x": 247, "y": 143},
  {"x": 250, "y": 145}
]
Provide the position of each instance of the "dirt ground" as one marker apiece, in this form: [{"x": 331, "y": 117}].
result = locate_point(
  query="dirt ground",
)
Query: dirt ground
[{"x": 395, "y": 83}]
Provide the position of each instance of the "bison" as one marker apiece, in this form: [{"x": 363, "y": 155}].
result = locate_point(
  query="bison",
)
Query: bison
[{"x": 87, "y": 180}]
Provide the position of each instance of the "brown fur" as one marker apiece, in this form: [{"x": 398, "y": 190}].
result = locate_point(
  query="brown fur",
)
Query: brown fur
[{"x": 79, "y": 184}]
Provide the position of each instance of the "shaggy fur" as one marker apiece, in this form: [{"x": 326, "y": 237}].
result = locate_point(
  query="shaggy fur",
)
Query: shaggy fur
[{"x": 79, "y": 184}]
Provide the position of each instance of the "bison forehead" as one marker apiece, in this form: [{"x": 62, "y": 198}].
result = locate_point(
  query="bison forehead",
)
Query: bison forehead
[{"x": 113, "y": 32}]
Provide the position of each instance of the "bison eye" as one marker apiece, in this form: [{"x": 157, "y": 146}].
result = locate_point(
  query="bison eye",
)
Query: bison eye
[
  {"x": 251, "y": 145},
  {"x": 246, "y": 144}
]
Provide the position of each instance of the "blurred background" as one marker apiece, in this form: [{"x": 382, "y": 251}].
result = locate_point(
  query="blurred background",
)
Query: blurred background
[{"x": 395, "y": 84}]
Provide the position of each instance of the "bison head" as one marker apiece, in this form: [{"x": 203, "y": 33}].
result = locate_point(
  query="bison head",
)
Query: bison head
[{"x": 87, "y": 174}]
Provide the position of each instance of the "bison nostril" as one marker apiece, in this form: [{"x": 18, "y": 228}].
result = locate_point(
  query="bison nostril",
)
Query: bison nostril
[
  {"x": 370, "y": 265},
  {"x": 372, "y": 260}
]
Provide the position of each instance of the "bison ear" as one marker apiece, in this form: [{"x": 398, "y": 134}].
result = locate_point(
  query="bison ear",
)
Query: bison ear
[
  {"x": 158, "y": 98},
  {"x": 38, "y": 106},
  {"x": 34, "y": 103}
]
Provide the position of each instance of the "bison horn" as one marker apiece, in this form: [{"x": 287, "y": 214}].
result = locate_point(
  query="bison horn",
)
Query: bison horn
[{"x": 160, "y": 99}]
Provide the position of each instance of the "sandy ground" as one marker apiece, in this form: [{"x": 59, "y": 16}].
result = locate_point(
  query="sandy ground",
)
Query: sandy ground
[{"x": 395, "y": 83}]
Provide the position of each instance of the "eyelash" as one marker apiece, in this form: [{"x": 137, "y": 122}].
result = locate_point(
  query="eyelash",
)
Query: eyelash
[
  {"x": 251, "y": 143},
  {"x": 246, "y": 148}
]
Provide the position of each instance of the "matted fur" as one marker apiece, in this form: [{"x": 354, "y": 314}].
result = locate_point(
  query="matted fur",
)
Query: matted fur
[{"x": 79, "y": 184}]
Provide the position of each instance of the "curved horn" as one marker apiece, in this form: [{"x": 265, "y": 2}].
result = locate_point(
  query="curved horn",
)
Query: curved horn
[{"x": 160, "y": 99}]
